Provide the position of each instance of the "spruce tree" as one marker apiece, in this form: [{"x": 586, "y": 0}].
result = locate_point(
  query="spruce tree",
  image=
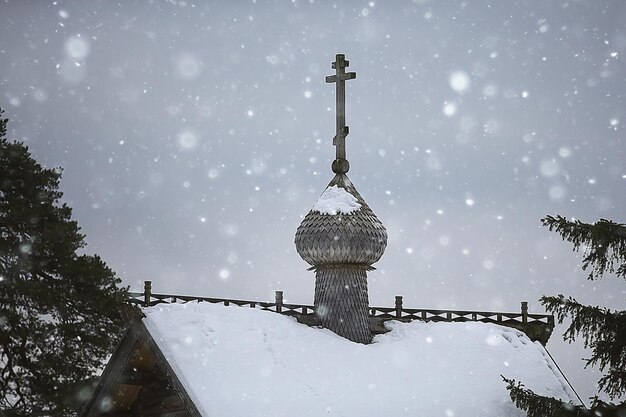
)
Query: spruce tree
[
  {"x": 59, "y": 317},
  {"x": 602, "y": 330}
]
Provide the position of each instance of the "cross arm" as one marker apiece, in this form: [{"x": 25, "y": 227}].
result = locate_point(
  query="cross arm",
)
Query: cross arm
[
  {"x": 341, "y": 77},
  {"x": 343, "y": 133},
  {"x": 341, "y": 59}
]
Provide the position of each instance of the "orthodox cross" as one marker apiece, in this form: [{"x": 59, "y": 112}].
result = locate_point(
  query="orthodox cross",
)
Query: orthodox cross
[{"x": 342, "y": 130}]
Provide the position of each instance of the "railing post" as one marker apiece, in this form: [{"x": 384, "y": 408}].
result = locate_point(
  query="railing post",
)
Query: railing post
[
  {"x": 147, "y": 293},
  {"x": 279, "y": 301},
  {"x": 398, "y": 306},
  {"x": 524, "y": 312}
]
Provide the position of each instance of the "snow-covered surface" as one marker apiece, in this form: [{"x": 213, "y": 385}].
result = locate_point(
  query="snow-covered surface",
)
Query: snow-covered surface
[
  {"x": 335, "y": 200},
  {"x": 237, "y": 361}
]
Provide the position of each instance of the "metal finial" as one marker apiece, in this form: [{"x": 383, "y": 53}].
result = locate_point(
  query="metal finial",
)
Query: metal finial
[{"x": 340, "y": 164}]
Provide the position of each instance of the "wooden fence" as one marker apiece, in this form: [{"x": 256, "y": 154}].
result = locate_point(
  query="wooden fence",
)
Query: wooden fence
[{"x": 306, "y": 313}]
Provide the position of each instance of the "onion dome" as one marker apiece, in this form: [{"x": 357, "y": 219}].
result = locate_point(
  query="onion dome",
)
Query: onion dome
[
  {"x": 341, "y": 237},
  {"x": 341, "y": 229}
]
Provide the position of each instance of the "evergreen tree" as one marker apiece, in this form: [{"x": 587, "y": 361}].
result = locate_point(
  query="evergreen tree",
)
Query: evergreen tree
[
  {"x": 59, "y": 317},
  {"x": 602, "y": 330}
]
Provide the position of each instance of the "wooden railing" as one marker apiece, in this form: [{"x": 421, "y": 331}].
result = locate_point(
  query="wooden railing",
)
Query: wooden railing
[
  {"x": 399, "y": 312},
  {"x": 147, "y": 299}
]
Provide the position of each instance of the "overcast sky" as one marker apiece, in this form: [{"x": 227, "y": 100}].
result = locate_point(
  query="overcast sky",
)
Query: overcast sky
[{"x": 194, "y": 137}]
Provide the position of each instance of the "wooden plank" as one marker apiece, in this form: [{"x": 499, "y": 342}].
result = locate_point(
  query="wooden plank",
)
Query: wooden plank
[
  {"x": 124, "y": 395},
  {"x": 165, "y": 403},
  {"x": 113, "y": 369},
  {"x": 167, "y": 368}
]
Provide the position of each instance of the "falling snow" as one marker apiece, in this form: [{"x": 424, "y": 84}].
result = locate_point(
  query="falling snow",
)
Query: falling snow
[
  {"x": 194, "y": 136},
  {"x": 459, "y": 81}
]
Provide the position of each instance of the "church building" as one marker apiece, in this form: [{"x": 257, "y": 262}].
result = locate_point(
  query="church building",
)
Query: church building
[{"x": 208, "y": 357}]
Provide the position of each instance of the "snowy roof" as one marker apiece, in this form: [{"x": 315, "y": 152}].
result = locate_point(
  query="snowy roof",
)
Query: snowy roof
[
  {"x": 335, "y": 200},
  {"x": 242, "y": 361}
]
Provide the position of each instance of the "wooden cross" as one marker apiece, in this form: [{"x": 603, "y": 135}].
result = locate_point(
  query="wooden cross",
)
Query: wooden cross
[{"x": 340, "y": 78}]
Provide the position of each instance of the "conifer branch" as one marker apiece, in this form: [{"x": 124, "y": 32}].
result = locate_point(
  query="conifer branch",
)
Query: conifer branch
[
  {"x": 533, "y": 404},
  {"x": 45, "y": 301},
  {"x": 604, "y": 243},
  {"x": 601, "y": 329}
]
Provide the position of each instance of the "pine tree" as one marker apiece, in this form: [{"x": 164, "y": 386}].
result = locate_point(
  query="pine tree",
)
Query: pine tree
[
  {"x": 602, "y": 330},
  {"x": 59, "y": 317}
]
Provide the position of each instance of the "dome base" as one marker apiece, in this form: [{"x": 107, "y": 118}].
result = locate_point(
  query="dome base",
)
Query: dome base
[{"x": 341, "y": 302}]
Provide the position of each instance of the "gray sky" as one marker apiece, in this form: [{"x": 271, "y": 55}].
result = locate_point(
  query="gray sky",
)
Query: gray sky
[{"x": 195, "y": 136}]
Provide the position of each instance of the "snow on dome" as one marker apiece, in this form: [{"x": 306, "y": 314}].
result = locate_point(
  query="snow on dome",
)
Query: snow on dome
[
  {"x": 236, "y": 361},
  {"x": 336, "y": 200}
]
